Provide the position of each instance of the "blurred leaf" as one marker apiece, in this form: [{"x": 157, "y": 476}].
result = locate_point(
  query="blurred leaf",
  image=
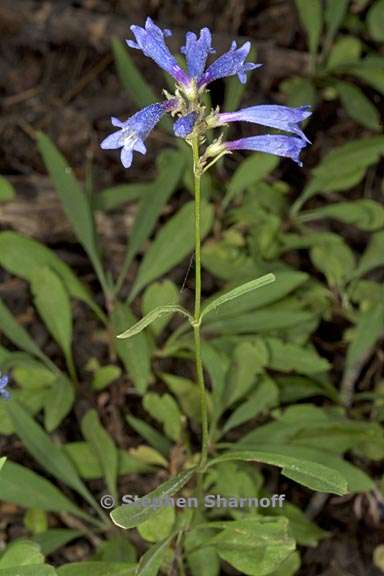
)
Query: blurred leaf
[
  {"x": 311, "y": 17},
  {"x": 47, "y": 453},
  {"x": 156, "y": 295},
  {"x": 249, "y": 360},
  {"x": 254, "y": 546},
  {"x": 74, "y": 200},
  {"x": 342, "y": 168},
  {"x": 375, "y": 21},
  {"x": 152, "y": 316},
  {"x": 237, "y": 292},
  {"x": 116, "y": 549},
  {"x": 187, "y": 394},
  {"x": 111, "y": 198},
  {"x": 358, "y": 106},
  {"x": 24, "y": 487},
  {"x": 149, "y": 456},
  {"x": 158, "y": 527},
  {"x": 202, "y": 561},
  {"x": 369, "y": 70},
  {"x": 130, "y": 76},
  {"x": 130, "y": 516},
  {"x": 3, "y": 460},
  {"x": 164, "y": 409},
  {"x": 365, "y": 214},
  {"x": 310, "y": 474},
  {"x": 265, "y": 396},
  {"x": 150, "y": 434},
  {"x": 103, "y": 446},
  {"x": 58, "y": 402},
  {"x": 21, "y": 553},
  {"x": 373, "y": 255},
  {"x": 251, "y": 170},
  {"x": 52, "y": 302},
  {"x": 335, "y": 12},
  {"x": 35, "y": 520},
  {"x": 135, "y": 353},
  {"x": 105, "y": 375},
  {"x": 335, "y": 259},
  {"x": 30, "y": 570},
  {"x": 7, "y": 191},
  {"x": 150, "y": 563},
  {"x": 287, "y": 357},
  {"x": 22, "y": 256},
  {"x": 299, "y": 91},
  {"x": 345, "y": 51},
  {"x": 55, "y": 538},
  {"x": 96, "y": 569},
  {"x": 171, "y": 245},
  {"x": 227, "y": 262},
  {"x": 16, "y": 334}
]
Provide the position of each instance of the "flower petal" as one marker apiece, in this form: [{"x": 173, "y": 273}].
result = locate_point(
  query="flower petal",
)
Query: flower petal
[
  {"x": 151, "y": 40},
  {"x": 197, "y": 50},
  {"x": 4, "y": 380},
  {"x": 286, "y": 146},
  {"x": 230, "y": 63},
  {"x": 184, "y": 125},
  {"x": 273, "y": 116},
  {"x": 112, "y": 141},
  {"x": 126, "y": 157}
]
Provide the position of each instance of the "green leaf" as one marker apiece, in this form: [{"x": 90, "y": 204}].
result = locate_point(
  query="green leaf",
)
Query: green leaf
[
  {"x": 171, "y": 165},
  {"x": 58, "y": 402},
  {"x": 358, "y": 106},
  {"x": 105, "y": 375},
  {"x": 74, "y": 200},
  {"x": 3, "y": 460},
  {"x": 130, "y": 77},
  {"x": 164, "y": 409},
  {"x": 116, "y": 549},
  {"x": 345, "y": 51},
  {"x": 152, "y": 317},
  {"x": 254, "y": 546},
  {"x": 35, "y": 520},
  {"x": 299, "y": 91},
  {"x": 238, "y": 292},
  {"x": 288, "y": 357},
  {"x": 160, "y": 294},
  {"x": 251, "y": 170},
  {"x": 150, "y": 563},
  {"x": 187, "y": 394},
  {"x": 7, "y": 191},
  {"x": 22, "y": 256},
  {"x": 342, "y": 168},
  {"x": 97, "y": 569},
  {"x": 104, "y": 448},
  {"x": 248, "y": 360},
  {"x": 310, "y": 474},
  {"x": 16, "y": 334},
  {"x": 335, "y": 259},
  {"x": 24, "y": 487},
  {"x": 265, "y": 320},
  {"x": 373, "y": 255},
  {"x": 366, "y": 214},
  {"x": 265, "y": 396},
  {"x": 172, "y": 244},
  {"x": 111, "y": 198},
  {"x": 33, "y": 570},
  {"x": 131, "y": 515},
  {"x": 135, "y": 353},
  {"x": 21, "y": 553},
  {"x": 335, "y": 12},
  {"x": 375, "y": 21},
  {"x": 369, "y": 70},
  {"x": 311, "y": 17},
  {"x": 52, "y": 302},
  {"x": 150, "y": 434},
  {"x": 47, "y": 453},
  {"x": 55, "y": 538},
  {"x": 158, "y": 527}
]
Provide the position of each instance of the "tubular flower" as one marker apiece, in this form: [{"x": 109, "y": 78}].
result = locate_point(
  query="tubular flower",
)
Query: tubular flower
[
  {"x": 229, "y": 64},
  {"x": 196, "y": 51},
  {"x": 184, "y": 125},
  {"x": 286, "y": 146},
  {"x": 187, "y": 105},
  {"x": 280, "y": 117},
  {"x": 132, "y": 133},
  {"x": 4, "y": 381},
  {"x": 151, "y": 40}
]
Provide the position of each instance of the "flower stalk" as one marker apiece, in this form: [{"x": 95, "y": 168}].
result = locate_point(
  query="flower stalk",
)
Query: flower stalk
[{"x": 197, "y": 310}]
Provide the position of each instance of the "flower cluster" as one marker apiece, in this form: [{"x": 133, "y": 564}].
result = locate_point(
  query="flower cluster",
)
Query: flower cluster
[
  {"x": 4, "y": 381},
  {"x": 193, "y": 118}
]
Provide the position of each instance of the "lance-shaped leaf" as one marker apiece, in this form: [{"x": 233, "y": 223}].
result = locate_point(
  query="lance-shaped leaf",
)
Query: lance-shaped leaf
[
  {"x": 131, "y": 515},
  {"x": 153, "y": 315},
  {"x": 2, "y": 461},
  {"x": 310, "y": 474},
  {"x": 150, "y": 563},
  {"x": 237, "y": 292}
]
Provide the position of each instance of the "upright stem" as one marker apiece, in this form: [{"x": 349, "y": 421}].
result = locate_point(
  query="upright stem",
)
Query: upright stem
[{"x": 197, "y": 319}]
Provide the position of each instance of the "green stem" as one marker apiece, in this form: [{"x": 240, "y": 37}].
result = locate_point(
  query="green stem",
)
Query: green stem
[{"x": 197, "y": 312}]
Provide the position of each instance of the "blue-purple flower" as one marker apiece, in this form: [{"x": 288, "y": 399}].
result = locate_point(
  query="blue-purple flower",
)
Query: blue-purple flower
[
  {"x": 4, "y": 381},
  {"x": 151, "y": 40},
  {"x": 192, "y": 118},
  {"x": 280, "y": 117},
  {"x": 286, "y": 146},
  {"x": 132, "y": 133}
]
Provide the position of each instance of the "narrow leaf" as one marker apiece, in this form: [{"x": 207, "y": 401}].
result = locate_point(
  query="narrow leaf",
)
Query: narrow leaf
[{"x": 152, "y": 317}]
